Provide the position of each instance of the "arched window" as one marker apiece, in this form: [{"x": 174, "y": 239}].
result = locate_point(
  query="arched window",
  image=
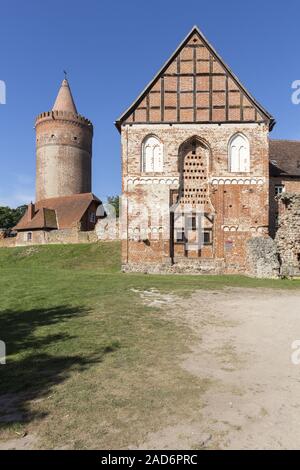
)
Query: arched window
[
  {"x": 239, "y": 154},
  {"x": 152, "y": 155}
]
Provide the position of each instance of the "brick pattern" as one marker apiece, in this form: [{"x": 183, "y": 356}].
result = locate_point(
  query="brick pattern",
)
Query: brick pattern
[
  {"x": 63, "y": 155},
  {"x": 194, "y": 161},
  {"x": 195, "y": 87},
  {"x": 240, "y": 210}
]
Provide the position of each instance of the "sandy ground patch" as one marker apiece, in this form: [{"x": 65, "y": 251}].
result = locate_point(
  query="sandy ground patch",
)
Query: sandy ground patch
[
  {"x": 19, "y": 443},
  {"x": 242, "y": 344}
]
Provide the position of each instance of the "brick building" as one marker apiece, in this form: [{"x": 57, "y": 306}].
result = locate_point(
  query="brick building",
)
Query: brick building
[
  {"x": 284, "y": 176},
  {"x": 196, "y": 161},
  {"x": 64, "y": 201}
]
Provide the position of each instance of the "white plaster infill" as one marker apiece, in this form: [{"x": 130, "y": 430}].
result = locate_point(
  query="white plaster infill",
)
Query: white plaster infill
[
  {"x": 2, "y": 92},
  {"x": 217, "y": 180}
]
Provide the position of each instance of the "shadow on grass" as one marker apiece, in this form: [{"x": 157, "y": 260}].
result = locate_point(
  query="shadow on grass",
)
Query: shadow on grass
[{"x": 31, "y": 370}]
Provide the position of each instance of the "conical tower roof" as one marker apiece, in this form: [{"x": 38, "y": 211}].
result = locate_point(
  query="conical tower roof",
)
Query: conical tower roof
[{"x": 64, "y": 100}]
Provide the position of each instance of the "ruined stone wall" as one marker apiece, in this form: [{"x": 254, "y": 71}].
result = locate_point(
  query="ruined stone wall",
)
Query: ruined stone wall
[
  {"x": 291, "y": 185},
  {"x": 288, "y": 234},
  {"x": 240, "y": 200},
  {"x": 262, "y": 258}
]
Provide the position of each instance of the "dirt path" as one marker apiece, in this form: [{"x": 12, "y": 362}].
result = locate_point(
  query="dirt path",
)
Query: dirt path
[{"x": 243, "y": 345}]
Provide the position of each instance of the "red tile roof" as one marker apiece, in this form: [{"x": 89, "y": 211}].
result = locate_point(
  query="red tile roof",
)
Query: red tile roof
[
  {"x": 284, "y": 157},
  {"x": 59, "y": 212}
]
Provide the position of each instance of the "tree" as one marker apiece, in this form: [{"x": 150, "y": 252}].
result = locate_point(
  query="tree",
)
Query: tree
[
  {"x": 10, "y": 217},
  {"x": 114, "y": 201}
]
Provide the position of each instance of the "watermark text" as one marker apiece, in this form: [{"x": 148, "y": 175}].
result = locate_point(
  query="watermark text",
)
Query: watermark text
[{"x": 2, "y": 92}]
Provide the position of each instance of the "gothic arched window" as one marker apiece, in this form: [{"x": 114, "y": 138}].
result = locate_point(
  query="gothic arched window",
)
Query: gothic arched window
[
  {"x": 152, "y": 155},
  {"x": 239, "y": 154}
]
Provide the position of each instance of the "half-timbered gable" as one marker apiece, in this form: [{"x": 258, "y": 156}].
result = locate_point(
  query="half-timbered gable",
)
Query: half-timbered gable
[{"x": 195, "y": 86}]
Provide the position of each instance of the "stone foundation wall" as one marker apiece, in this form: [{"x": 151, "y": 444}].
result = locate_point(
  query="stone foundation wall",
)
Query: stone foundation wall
[
  {"x": 182, "y": 267},
  {"x": 8, "y": 242},
  {"x": 70, "y": 236},
  {"x": 42, "y": 237},
  {"x": 262, "y": 261}
]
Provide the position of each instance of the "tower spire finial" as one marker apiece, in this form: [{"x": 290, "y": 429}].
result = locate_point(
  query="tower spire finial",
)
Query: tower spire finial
[
  {"x": 65, "y": 73},
  {"x": 64, "y": 100}
]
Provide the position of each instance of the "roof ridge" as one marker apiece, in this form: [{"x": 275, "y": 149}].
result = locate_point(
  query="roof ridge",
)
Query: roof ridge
[{"x": 285, "y": 140}]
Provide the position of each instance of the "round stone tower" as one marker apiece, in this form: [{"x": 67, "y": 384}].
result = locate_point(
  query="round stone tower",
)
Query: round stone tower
[{"x": 63, "y": 149}]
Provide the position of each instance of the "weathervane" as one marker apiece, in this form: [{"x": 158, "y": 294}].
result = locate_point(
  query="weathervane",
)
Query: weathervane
[{"x": 65, "y": 74}]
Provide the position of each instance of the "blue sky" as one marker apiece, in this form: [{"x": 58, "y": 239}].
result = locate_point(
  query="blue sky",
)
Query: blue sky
[{"x": 111, "y": 50}]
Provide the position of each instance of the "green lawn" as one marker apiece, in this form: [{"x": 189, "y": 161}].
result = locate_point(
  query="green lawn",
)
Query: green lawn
[{"x": 88, "y": 365}]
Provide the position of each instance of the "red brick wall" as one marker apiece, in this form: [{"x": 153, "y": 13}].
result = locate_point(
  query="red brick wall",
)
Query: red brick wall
[
  {"x": 240, "y": 202},
  {"x": 63, "y": 155}
]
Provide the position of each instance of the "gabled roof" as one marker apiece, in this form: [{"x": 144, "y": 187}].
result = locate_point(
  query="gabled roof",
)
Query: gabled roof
[
  {"x": 284, "y": 157},
  {"x": 195, "y": 30},
  {"x": 43, "y": 219},
  {"x": 59, "y": 212}
]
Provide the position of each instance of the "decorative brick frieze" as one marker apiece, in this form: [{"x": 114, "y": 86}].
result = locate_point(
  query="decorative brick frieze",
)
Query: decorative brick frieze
[
  {"x": 171, "y": 180},
  {"x": 236, "y": 180}
]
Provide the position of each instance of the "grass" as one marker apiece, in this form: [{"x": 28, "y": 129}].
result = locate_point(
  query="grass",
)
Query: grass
[{"x": 88, "y": 365}]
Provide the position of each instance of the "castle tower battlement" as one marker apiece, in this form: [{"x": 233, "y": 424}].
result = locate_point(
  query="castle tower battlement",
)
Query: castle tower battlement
[{"x": 63, "y": 149}]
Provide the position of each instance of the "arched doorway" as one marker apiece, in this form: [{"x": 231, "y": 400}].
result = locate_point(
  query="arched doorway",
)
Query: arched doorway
[{"x": 192, "y": 217}]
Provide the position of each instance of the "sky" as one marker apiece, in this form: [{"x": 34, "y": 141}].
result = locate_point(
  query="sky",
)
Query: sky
[{"x": 111, "y": 50}]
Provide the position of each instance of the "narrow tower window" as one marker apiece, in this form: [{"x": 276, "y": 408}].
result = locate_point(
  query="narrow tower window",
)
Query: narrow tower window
[
  {"x": 152, "y": 155},
  {"x": 279, "y": 189},
  {"x": 239, "y": 154}
]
